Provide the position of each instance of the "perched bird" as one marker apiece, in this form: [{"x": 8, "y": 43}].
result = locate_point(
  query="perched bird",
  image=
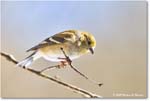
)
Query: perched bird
[{"x": 75, "y": 43}]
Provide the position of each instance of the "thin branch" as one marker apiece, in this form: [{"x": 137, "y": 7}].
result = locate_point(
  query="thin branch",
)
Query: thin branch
[
  {"x": 51, "y": 67},
  {"x": 78, "y": 90},
  {"x": 70, "y": 63}
]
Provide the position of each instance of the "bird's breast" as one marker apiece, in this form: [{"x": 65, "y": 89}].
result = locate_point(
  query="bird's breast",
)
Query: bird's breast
[{"x": 55, "y": 54}]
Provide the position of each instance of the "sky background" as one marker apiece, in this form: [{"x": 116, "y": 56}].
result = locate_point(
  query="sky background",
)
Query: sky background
[{"x": 119, "y": 62}]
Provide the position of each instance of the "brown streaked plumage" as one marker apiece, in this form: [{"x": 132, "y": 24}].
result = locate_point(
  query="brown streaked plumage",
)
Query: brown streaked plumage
[{"x": 74, "y": 42}]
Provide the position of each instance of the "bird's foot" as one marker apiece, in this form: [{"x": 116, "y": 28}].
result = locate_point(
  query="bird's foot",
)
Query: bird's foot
[{"x": 63, "y": 64}]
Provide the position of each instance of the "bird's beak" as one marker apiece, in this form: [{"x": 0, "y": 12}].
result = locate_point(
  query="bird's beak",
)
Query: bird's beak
[{"x": 91, "y": 50}]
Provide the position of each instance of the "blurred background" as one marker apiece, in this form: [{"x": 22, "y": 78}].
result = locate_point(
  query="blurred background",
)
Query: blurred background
[{"x": 119, "y": 62}]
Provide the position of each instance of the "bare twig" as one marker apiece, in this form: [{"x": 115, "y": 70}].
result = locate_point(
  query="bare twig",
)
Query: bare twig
[
  {"x": 51, "y": 67},
  {"x": 78, "y": 90},
  {"x": 70, "y": 63}
]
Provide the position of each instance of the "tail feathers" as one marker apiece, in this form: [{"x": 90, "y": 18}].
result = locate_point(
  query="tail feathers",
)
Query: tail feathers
[{"x": 27, "y": 61}]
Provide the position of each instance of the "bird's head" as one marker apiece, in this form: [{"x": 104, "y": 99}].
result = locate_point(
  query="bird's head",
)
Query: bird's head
[{"x": 88, "y": 41}]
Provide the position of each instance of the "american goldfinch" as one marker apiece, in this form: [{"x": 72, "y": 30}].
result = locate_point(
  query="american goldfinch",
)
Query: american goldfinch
[{"x": 75, "y": 43}]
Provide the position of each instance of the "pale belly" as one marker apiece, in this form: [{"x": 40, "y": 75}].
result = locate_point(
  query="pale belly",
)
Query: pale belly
[
  {"x": 58, "y": 58},
  {"x": 57, "y": 54}
]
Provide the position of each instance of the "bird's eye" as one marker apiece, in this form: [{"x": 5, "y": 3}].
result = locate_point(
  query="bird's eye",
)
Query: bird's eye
[{"x": 89, "y": 42}]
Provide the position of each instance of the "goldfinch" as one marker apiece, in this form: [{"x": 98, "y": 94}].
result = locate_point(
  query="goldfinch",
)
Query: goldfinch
[{"x": 75, "y": 43}]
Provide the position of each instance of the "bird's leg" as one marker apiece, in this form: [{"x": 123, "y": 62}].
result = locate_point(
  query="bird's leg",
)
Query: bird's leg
[
  {"x": 62, "y": 64},
  {"x": 66, "y": 61}
]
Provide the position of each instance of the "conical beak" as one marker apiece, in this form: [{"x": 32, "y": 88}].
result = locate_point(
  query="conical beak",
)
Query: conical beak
[{"x": 91, "y": 50}]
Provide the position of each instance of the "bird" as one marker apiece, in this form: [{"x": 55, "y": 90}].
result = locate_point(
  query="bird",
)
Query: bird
[{"x": 74, "y": 43}]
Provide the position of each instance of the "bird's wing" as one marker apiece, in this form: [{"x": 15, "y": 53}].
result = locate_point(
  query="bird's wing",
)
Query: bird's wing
[{"x": 62, "y": 37}]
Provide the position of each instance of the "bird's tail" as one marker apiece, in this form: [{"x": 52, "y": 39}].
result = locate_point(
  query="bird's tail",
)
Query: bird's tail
[{"x": 27, "y": 61}]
